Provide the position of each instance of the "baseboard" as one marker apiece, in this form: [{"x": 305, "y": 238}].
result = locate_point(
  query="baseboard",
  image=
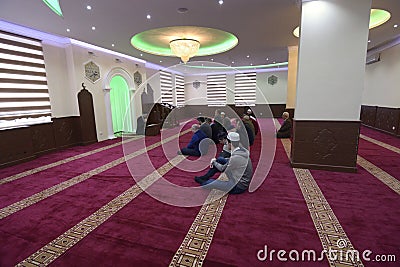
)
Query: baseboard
[
  {"x": 380, "y": 130},
  {"x": 324, "y": 167}
]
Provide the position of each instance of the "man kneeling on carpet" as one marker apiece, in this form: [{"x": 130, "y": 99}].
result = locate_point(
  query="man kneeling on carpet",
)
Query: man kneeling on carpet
[
  {"x": 238, "y": 169},
  {"x": 193, "y": 148}
]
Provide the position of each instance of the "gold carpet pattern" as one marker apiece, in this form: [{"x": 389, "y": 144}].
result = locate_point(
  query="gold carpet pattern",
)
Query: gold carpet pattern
[
  {"x": 63, "y": 161},
  {"x": 379, "y": 143},
  {"x": 329, "y": 230},
  {"x": 24, "y": 203},
  {"x": 197, "y": 241},
  {"x": 61, "y": 244},
  {"x": 380, "y": 174}
]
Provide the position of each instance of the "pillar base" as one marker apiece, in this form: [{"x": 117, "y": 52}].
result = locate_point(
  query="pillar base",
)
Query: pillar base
[{"x": 325, "y": 145}]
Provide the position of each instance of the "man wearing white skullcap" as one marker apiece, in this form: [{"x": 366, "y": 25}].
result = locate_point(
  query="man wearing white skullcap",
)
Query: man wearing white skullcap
[{"x": 239, "y": 169}]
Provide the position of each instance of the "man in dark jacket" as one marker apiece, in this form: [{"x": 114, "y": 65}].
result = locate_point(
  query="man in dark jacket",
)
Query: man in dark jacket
[
  {"x": 193, "y": 148},
  {"x": 239, "y": 169},
  {"x": 286, "y": 128}
]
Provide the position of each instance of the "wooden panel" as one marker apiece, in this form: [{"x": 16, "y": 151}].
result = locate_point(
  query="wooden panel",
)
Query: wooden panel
[
  {"x": 368, "y": 115},
  {"x": 66, "y": 131},
  {"x": 42, "y": 138},
  {"x": 15, "y": 146},
  {"x": 387, "y": 119},
  {"x": 329, "y": 145}
]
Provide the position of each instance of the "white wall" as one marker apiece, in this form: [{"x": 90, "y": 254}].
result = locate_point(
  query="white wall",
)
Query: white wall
[
  {"x": 382, "y": 80},
  {"x": 59, "y": 75},
  {"x": 271, "y": 94},
  {"x": 65, "y": 74},
  {"x": 195, "y": 96}
]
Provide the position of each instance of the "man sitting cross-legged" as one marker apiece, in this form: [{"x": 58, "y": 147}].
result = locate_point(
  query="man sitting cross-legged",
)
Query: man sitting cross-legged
[
  {"x": 238, "y": 169},
  {"x": 193, "y": 148},
  {"x": 223, "y": 158}
]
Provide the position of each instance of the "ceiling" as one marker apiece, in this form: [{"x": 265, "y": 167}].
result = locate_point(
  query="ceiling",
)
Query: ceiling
[{"x": 263, "y": 27}]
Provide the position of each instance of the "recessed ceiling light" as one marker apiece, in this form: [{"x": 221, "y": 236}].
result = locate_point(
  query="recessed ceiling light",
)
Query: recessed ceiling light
[
  {"x": 182, "y": 10},
  {"x": 233, "y": 62},
  {"x": 112, "y": 45},
  {"x": 248, "y": 56},
  {"x": 395, "y": 25},
  {"x": 93, "y": 28},
  {"x": 88, "y": 7},
  {"x": 148, "y": 16},
  {"x": 141, "y": 55},
  {"x": 251, "y": 64},
  {"x": 267, "y": 59},
  {"x": 212, "y": 59},
  {"x": 369, "y": 41},
  {"x": 220, "y": 2},
  {"x": 68, "y": 30},
  {"x": 274, "y": 62},
  {"x": 160, "y": 61}
]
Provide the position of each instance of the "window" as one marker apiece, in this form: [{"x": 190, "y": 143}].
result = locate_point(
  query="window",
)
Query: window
[
  {"x": 179, "y": 90},
  {"x": 166, "y": 87},
  {"x": 216, "y": 90},
  {"x": 24, "y": 96},
  {"x": 245, "y": 89}
]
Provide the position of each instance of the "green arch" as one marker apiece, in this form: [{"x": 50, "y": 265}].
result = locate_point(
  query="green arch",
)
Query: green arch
[{"x": 120, "y": 106}]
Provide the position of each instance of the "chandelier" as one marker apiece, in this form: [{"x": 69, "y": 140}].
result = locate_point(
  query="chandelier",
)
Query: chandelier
[{"x": 184, "y": 48}]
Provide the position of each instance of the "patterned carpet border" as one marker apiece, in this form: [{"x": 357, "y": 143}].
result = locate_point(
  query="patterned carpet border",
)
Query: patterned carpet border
[
  {"x": 194, "y": 247},
  {"x": 380, "y": 174},
  {"x": 68, "y": 239},
  {"x": 24, "y": 203},
  {"x": 328, "y": 227},
  {"x": 63, "y": 161},
  {"x": 382, "y": 144}
]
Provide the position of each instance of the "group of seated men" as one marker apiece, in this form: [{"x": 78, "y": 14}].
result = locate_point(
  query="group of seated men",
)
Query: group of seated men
[{"x": 234, "y": 159}]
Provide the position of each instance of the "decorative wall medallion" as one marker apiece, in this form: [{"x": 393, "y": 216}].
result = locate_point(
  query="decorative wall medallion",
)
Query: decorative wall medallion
[
  {"x": 196, "y": 84},
  {"x": 92, "y": 72},
  {"x": 272, "y": 79},
  {"x": 137, "y": 78}
]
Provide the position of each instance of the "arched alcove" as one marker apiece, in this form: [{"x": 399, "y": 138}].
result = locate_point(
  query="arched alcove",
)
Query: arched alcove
[{"x": 125, "y": 79}]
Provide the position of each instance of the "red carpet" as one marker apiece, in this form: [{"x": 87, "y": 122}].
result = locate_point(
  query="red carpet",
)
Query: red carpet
[{"x": 147, "y": 232}]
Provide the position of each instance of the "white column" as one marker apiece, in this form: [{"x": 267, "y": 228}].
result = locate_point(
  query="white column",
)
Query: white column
[{"x": 332, "y": 54}]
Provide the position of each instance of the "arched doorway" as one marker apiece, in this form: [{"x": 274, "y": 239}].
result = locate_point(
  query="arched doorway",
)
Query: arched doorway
[{"x": 121, "y": 113}]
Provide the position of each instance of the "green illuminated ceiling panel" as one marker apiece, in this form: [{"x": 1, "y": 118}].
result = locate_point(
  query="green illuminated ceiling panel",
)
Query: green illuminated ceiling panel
[
  {"x": 156, "y": 41},
  {"x": 377, "y": 18},
  {"x": 55, "y": 6}
]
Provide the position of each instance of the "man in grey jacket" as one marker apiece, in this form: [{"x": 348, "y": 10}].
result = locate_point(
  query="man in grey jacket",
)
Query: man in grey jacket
[{"x": 239, "y": 169}]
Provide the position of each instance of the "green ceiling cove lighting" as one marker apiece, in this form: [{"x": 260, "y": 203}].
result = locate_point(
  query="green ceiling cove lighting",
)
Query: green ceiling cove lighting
[
  {"x": 377, "y": 18},
  {"x": 55, "y": 6},
  {"x": 157, "y": 41},
  {"x": 241, "y": 67}
]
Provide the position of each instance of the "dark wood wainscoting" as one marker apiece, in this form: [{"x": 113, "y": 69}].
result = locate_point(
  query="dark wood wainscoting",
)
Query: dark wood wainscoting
[
  {"x": 260, "y": 110},
  {"x": 326, "y": 145},
  {"x": 381, "y": 118},
  {"x": 25, "y": 143}
]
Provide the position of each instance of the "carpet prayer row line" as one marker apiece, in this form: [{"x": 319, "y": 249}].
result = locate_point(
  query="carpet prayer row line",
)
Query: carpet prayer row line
[{"x": 146, "y": 232}]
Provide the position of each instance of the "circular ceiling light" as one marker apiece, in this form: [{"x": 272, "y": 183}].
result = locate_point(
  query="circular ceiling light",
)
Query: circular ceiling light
[
  {"x": 157, "y": 41},
  {"x": 377, "y": 17}
]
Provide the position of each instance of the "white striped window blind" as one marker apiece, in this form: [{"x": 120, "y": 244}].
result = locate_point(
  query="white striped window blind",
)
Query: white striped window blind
[
  {"x": 24, "y": 96},
  {"x": 216, "y": 90},
  {"x": 166, "y": 87},
  {"x": 245, "y": 89},
  {"x": 180, "y": 90}
]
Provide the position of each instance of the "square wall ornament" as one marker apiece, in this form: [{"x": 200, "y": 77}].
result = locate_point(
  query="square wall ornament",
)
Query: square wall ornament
[{"x": 272, "y": 80}]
